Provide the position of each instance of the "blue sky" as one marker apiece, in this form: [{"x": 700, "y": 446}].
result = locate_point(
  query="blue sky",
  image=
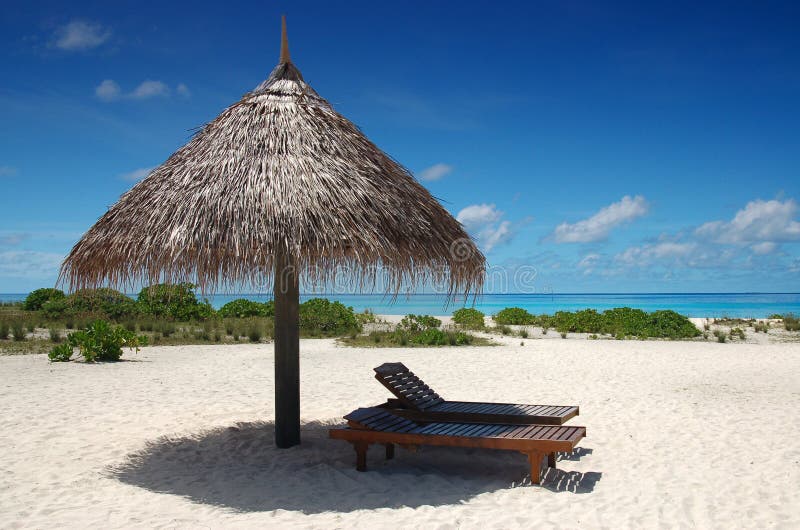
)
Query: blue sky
[{"x": 609, "y": 147}]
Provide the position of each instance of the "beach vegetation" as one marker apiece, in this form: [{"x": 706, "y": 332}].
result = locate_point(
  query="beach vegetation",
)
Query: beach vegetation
[
  {"x": 4, "y": 329},
  {"x": 791, "y": 322},
  {"x": 100, "y": 341},
  {"x": 501, "y": 329},
  {"x": 243, "y": 308},
  {"x": 55, "y": 335},
  {"x": 61, "y": 353},
  {"x": 762, "y": 327},
  {"x": 420, "y": 338},
  {"x": 176, "y": 301},
  {"x": 468, "y": 318},
  {"x": 513, "y": 316},
  {"x": 255, "y": 333},
  {"x": 418, "y": 323},
  {"x": 37, "y": 298},
  {"x": 523, "y": 333},
  {"x": 626, "y": 322},
  {"x": 738, "y": 333},
  {"x": 367, "y": 317},
  {"x": 18, "y": 330},
  {"x": 321, "y": 317},
  {"x": 721, "y": 336}
]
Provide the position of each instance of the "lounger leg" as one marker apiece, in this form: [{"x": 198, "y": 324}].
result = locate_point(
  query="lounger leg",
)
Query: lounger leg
[
  {"x": 536, "y": 467},
  {"x": 551, "y": 460},
  {"x": 361, "y": 455},
  {"x": 389, "y": 451}
]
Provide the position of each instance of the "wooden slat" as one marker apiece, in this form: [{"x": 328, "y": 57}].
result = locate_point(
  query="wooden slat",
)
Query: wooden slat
[
  {"x": 529, "y": 431},
  {"x": 450, "y": 429},
  {"x": 484, "y": 430}
]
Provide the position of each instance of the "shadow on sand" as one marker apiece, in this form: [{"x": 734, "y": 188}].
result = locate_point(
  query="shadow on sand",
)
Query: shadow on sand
[{"x": 240, "y": 468}]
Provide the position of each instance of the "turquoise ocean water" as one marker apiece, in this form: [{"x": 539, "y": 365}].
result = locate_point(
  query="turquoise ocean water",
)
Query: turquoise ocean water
[{"x": 754, "y": 305}]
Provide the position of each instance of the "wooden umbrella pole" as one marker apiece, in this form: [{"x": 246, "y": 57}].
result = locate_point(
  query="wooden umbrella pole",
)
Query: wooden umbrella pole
[{"x": 287, "y": 352}]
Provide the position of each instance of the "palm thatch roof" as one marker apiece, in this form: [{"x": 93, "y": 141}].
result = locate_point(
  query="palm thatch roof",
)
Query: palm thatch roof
[{"x": 278, "y": 171}]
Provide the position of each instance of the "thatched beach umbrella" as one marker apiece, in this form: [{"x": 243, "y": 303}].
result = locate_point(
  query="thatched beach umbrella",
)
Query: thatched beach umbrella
[{"x": 279, "y": 185}]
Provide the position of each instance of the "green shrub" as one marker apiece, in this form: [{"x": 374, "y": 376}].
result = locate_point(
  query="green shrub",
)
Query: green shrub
[
  {"x": 55, "y": 335},
  {"x": 791, "y": 322},
  {"x": 18, "y": 330},
  {"x": 417, "y": 323},
  {"x": 738, "y": 332},
  {"x": 775, "y": 316},
  {"x": 35, "y": 300},
  {"x": 106, "y": 302},
  {"x": 721, "y": 336},
  {"x": 61, "y": 353},
  {"x": 56, "y": 309},
  {"x": 242, "y": 308},
  {"x": 102, "y": 342},
  {"x": 367, "y": 317},
  {"x": 523, "y": 333},
  {"x": 626, "y": 322},
  {"x": 545, "y": 322},
  {"x": 4, "y": 329},
  {"x": 468, "y": 318},
  {"x": 437, "y": 337},
  {"x": 320, "y": 316},
  {"x": 254, "y": 334},
  {"x": 176, "y": 301},
  {"x": 672, "y": 325},
  {"x": 503, "y": 330},
  {"x": 563, "y": 335},
  {"x": 761, "y": 326},
  {"x": 513, "y": 316}
]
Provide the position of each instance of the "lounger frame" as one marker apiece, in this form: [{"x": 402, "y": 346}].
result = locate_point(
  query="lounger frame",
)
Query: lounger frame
[
  {"x": 388, "y": 429},
  {"x": 417, "y": 401}
]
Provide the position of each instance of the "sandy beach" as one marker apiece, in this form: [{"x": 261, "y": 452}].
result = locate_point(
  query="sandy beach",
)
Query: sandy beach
[{"x": 680, "y": 435}]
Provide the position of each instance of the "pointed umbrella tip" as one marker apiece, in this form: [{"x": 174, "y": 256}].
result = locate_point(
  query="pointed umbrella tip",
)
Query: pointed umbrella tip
[{"x": 285, "y": 57}]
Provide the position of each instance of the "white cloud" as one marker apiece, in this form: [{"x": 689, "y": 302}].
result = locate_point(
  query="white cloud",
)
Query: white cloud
[
  {"x": 598, "y": 226},
  {"x": 483, "y": 222},
  {"x": 137, "y": 174},
  {"x": 648, "y": 254},
  {"x": 29, "y": 264},
  {"x": 7, "y": 171},
  {"x": 80, "y": 35},
  {"x": 491, "y": 236},
  {"x": 588, "y": 261},
  {"x": 758, "y": 222},
  {"x": 766, "y": 247},
  {"x": 435, "y": 172},
  {"x": 13, "y": 239},
  {"x": 108, "y": 90},
  {"x": 478, "y": 214},
  {"x": 149, "y": 89}
]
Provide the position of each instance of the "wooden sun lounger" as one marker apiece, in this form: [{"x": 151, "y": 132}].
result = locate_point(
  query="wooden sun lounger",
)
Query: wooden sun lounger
[
  {"x": 377, "y": 425},
  {"x": 417, "y": 401}
]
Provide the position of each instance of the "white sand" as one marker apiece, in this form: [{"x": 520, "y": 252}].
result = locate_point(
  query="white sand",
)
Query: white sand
[{"x": 680, "y": 434}]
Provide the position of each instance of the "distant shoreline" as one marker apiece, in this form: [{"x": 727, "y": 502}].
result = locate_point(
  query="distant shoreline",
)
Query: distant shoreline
[{"x": 693, "y": 305}]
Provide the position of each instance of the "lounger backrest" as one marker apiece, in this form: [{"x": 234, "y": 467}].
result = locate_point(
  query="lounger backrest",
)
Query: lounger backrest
[
  {"x": 407, "y": 387},
  {"x": 378, "y": 419}
]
